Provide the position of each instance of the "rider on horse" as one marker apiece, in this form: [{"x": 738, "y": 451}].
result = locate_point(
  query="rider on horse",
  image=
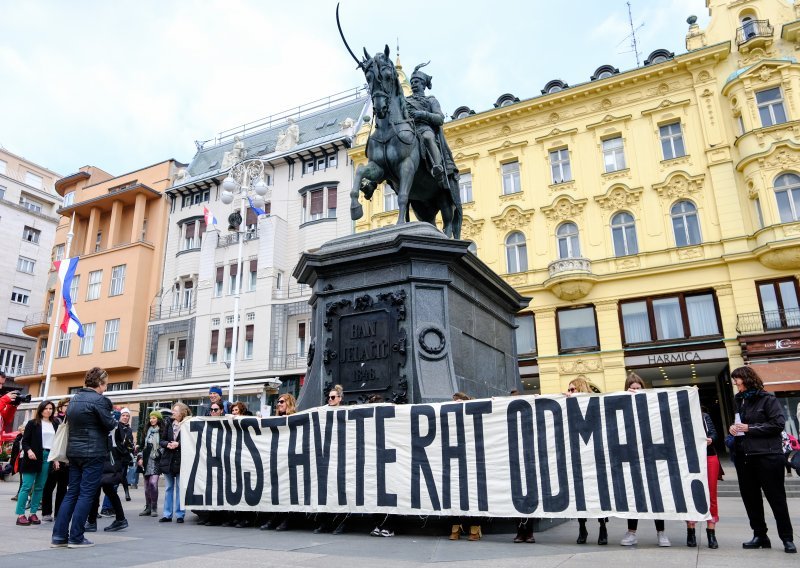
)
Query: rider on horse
[{"x": 428, "y": 119}]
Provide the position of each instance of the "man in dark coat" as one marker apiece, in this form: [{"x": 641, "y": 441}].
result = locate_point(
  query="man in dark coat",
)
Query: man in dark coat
[{"x": 89, "y": 419}]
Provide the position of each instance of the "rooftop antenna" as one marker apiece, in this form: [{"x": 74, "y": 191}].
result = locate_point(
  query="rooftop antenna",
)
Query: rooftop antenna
[{"x": 632, "y": 36}]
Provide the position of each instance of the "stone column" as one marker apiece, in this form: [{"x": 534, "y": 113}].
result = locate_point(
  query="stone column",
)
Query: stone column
[
  {"x": 610, "y": 333},
  {"x": 138, "y": 217},
  {"x": 91, "y": 231},
  {"x": 116, "y": 220}
]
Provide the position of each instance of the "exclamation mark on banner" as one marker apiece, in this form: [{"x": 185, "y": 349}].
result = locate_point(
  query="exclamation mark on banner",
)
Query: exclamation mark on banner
[{"x": 698, "y": 489}]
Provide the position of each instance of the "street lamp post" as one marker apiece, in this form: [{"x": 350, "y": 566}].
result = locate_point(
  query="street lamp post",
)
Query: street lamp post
[{"x": 244, "y": 177}]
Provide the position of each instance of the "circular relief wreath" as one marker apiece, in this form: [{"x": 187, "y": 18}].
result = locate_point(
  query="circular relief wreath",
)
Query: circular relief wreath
[{"x": 432, "y": 349}]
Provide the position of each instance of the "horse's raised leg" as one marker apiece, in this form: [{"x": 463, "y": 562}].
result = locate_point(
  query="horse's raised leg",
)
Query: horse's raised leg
[{"x": 366, "y": 180}]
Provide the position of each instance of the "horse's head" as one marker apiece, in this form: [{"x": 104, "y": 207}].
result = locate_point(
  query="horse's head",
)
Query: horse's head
[{"x": 381, "y": 79}]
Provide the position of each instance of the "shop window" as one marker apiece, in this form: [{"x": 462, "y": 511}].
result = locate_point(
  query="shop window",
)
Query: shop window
[{"x": 525, "y": 334}]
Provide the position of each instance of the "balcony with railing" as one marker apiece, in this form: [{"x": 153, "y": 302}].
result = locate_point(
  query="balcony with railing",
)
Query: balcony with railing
[
  {"x": 754, "y": 33},
  {"x": 36, "y": 324},
  {"x": 161, "y": 312},
  {"x": 287, "y": 362},
  {"x": 293, "y": 290},
  {"x": 570, "y": 278},
  {"x": 233, "y": 238},
  {"x": 766, "y": 322},
  {"x": 164, "y": 375}
]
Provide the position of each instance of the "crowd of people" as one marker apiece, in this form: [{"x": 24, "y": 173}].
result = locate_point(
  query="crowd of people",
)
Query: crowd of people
[{"x": 102, "y": 457}]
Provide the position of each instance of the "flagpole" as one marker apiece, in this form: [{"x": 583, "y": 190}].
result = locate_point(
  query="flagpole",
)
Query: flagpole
[{"x": 58, "y": 301}]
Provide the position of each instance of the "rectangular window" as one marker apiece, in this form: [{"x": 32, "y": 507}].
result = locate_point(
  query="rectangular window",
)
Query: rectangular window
[
  {"x": 229, "y": 319},
  {"x": 212, "y": 351},
  {"x": 69, "y": 199},
  {"x": 188, "y": 237},
  {"x": 309, "y": 167},
  {"x": 253, "y": 273},
  {"x": 228, "y": 343},
  {"x": 301, "y": 338},
  {"x": 14, "y": 326},
  {"x": 34, "y": 180},
  {"x": 511, "y": 178},
  {"x": 73, "y": 288},
  {"x": 702, "y": 314},
  {"x": 667, "y": 314},
  {"x": 20, "y": 295},
  {"x": 248, "y": 341},
  {"x": 87, "y": 341},
  {"x": 64, "y": 340},
  {"x": 613, "y": 154},
  {"x": 188, "y": 290},
  {"x": 98, "y": 242},
  {"x": 31, "y": 235},
  {"x": 58, "y": 252},
  {"x": 214, "y": 321},
  {"x": 320, "y": 164},
  {"x": 635, "y": 322},
  {"x": 740, "y": 124},
  {"x": 218, "y": 284},
  {"x": 780, "y": 307},
  {"x": 525, "y": 334},
  {"x": 233, "y": 270},
  {"x": 389, "y": 198},
  {"x": 670, "y": 318},
  {"x": 671, "y": 141},
  {"x": 465, "y": 187},
  {"x": 25, "y": 264},
  {"x": 117, "y": 280},
  {"x": 770, "y": 107},
  {"x": 577, "y": 329},
  {"x": 111, "y": 335},
  {"x": 95, "y": 282},
  {"x": 332, "y": 202},
  {"x": 251, "y": 316},
  {"x": 2, "y": 192},
  {"x": 30, "y": 204},
  {"x": 559, "y": 165},
  {"x": 332, "y": 161}
]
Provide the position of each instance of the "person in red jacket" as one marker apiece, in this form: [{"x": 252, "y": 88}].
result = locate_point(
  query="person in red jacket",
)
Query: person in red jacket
[{"x": 8, "y": 409}]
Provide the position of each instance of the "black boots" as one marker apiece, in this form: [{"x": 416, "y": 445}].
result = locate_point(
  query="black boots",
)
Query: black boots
[
  {"x": 789, "y": 547},
  {"x": 582, "y": 532},
  {"x": 757, "y": 542},
  {"x": 602, "y": 538},
  {"x": 691, "y": 539},
  {"x": 712, "y": 538},
  {"x": 127, "y": 493}
]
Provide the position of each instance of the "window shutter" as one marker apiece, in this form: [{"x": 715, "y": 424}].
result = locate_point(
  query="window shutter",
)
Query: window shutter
[
  {"x": 214, "y": 341},
  {"x": 190, "y": 230},
  {"x": 182, "y": 349},
  {"x": 301, "y": 330},
  {"x": 220, "y": 273},
  {"x": 254, "y": 265},
  {"x": 248, "y": 333},
  {"x": 252, "y": 218},
  {"x": 331, "y": 198},
  {"x": 316, "y": 202},
  {"x": 234, "y": 269},
  {"x": 228, "y": 337},
  {"x": 188, "y": 285}
]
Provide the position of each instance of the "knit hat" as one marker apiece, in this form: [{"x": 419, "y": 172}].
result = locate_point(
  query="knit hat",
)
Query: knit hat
[
  {"x": 156, "y": 413},
  {"x": 125, "y": 411},
  {"x": 215, "y": 389}
]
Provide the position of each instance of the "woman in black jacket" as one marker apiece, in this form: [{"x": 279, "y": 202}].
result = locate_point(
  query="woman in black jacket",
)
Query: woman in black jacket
[
  {"x": 759, "y": 458},
  {"x": 170, "y": 463},
  {"x": 36, "y": 442}
]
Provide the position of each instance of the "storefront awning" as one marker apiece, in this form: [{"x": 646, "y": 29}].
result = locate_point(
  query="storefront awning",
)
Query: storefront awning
[{"x": 779, "y": 375}]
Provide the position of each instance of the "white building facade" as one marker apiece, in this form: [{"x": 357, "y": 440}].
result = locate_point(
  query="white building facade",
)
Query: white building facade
[
  {"x": 28, "y": 220},
  {"x": 309, "y": 176}
]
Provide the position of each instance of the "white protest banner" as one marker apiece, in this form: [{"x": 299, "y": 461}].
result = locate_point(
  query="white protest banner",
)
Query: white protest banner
[{"x": 625, "y": 455}]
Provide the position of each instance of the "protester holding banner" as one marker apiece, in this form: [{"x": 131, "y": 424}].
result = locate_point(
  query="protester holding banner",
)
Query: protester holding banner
[
  {"x": 170, "y": 463},
  {"x": 713, "y": 466},
  {"x": 575, "y": 387},
  {"x": 760, "y": 459},
  {"x": 475, "y": 532},
  {"x": 326, "y": 521},
  {"x": 285, "y": 406},
  {"x": 215, "y": 397},
  {"x": 634, "y": 385}
]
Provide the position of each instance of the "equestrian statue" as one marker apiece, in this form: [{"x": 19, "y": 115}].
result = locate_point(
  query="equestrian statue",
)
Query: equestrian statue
[{"x": 406, "y": 148}]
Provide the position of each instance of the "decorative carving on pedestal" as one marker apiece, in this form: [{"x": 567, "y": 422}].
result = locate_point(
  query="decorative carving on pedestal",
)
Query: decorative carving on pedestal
[
  {"x": 563, "y": 208},
  {"x": 679, "y": 184}
]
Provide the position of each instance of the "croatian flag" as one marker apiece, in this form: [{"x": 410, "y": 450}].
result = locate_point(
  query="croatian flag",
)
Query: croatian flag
[
  {"x": 210, "y": 219},
  {"x": 66, "y": 271},
  {"x": 257, "y": 210}
]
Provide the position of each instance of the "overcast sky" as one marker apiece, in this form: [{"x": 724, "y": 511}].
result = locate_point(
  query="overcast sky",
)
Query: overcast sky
[{"x": 123, "y": 84}]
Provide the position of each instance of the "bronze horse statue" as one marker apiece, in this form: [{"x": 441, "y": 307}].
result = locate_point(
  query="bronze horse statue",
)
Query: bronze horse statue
[{"x": 394, "y": 154}]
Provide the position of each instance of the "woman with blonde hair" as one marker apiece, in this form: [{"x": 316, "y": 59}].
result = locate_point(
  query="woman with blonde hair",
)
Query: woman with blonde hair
[
  {"x": 579, "y": 385},
  {"x": 170, "y": 463}
]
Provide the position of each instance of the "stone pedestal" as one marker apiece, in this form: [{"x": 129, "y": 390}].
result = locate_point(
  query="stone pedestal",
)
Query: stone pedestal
[{"x": 409, "y": 314}]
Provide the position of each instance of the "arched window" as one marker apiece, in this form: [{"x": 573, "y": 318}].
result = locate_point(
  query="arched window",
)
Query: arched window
[
  {"x": 787, "y": 193},
  {"x": 623, "y": 233},
  {"x": 516, "y": 253},
  {"x": 748, "y": 27},
  {"x": 685, "y": 224},
  {"x": 567, "y": 238}
]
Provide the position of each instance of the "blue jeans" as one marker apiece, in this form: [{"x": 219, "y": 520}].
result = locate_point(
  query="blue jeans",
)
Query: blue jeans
[
  {"x": 172, "y": 496},
  {"x": 85, "y": 475},
  {"x": 133, "y": 474}
]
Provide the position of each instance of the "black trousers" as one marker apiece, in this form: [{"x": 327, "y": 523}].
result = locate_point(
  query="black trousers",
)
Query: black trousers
[
  {"x": 116, "y": 504},
  {"x": 57, "y": 480},
  {"x": 633, "y": 524},
  {"x": 764, "y": 473}
]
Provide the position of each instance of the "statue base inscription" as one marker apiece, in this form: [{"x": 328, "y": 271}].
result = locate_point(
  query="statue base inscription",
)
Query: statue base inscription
[{"x": 408, "y": 314}]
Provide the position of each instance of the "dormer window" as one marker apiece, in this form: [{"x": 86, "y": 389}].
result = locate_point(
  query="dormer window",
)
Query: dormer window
[
  {"x": 554, "y": 86},
  {"x": 604, "y": 72},
  {"x": 659, "y": 56},
  {"x": 505, "y": 100},
  {"x": 462, "y": 112}
]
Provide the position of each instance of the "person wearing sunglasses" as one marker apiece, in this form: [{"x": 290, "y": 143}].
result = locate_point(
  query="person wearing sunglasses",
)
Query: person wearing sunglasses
[
  {"x": 328, "y": 520},
  {"x": 579, "y": 386}
]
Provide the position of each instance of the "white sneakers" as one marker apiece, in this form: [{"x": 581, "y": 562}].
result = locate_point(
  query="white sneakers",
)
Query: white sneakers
[{"x": 630, "y": 539}]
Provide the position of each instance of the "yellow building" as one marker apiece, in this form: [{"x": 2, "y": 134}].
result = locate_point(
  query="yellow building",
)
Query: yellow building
[
  {"x": 119, "y": 231},
  {"x": 653, "y": 215}
]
